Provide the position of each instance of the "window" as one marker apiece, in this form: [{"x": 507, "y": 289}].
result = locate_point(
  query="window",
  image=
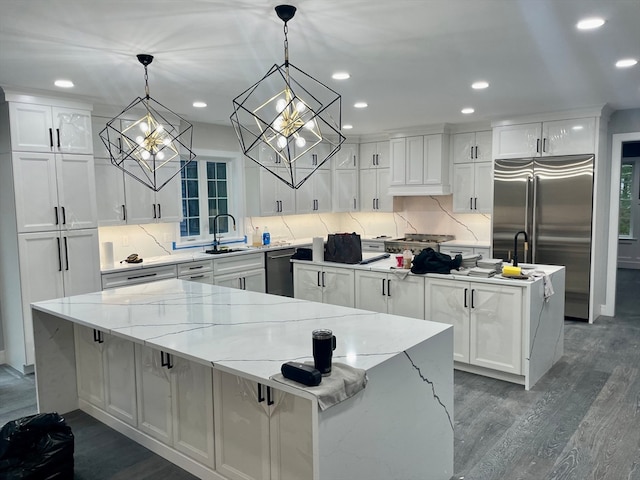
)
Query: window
[
  {"x": 626, "y": 198},
  {"x": 205, "y": 194}
]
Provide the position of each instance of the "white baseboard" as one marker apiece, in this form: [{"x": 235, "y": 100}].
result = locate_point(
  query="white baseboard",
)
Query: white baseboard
[{"x": 3, "y": 358}]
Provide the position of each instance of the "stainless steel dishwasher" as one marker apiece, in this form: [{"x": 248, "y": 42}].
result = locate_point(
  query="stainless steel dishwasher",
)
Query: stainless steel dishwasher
[{"x": 279, "y": 272}]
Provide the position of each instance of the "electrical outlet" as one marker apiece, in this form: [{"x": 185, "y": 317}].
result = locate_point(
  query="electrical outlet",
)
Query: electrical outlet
[{"x": 125, "y": 241}]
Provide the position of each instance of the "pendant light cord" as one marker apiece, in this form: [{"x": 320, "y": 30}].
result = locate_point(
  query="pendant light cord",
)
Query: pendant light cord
[{"x": 146, "y": 82}]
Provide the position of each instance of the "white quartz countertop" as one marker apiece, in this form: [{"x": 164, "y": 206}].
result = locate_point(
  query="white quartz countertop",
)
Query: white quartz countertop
[
  {"x": 244, "y": 332},
  {"x": 467, "y": 243},
  {"x": 193, "y": 255}
]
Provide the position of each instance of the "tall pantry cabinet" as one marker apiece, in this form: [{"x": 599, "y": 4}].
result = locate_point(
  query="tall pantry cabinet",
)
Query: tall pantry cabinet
[{"x": 48, "y": 227}]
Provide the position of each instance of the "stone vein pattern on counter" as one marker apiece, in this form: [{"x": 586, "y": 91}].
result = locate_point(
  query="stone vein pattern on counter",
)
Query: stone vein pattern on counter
[{"x": 240, "y": 330}]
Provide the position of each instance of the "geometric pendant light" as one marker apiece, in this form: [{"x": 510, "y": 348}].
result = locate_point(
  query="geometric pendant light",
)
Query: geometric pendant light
[
  {"x": 144, "y": 144},
  {"x": 287, "y": 116}
]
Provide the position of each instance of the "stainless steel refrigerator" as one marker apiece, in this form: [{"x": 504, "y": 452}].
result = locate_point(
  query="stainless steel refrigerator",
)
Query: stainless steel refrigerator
[{"x": 551, "y": 199}]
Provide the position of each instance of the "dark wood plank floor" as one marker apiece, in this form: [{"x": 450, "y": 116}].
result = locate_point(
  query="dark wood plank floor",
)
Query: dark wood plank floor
[{"x": 581, "y": 421}]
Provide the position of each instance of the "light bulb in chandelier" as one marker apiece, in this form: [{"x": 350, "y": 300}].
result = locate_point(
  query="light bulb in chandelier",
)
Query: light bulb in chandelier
[
  {"x": 300, "y": 141},
  {"x": 282, "y": 142}
]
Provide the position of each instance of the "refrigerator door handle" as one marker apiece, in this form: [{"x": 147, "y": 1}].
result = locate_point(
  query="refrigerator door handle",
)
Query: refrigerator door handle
[
  {"x": 535, "y": 211},
  {"x": 527, "y": 209}
]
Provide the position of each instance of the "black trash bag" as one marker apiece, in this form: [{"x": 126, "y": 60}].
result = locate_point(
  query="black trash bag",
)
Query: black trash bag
[
  {"x": 343, "y": 248},
  {"x": 38, "y": 447},
  {"x": 430, "y": 261}
]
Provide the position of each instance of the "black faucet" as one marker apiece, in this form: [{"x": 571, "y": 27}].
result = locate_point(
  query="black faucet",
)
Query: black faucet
[
  {"x": 215, "y": 228},
  {"x": 515, "y": 247}
]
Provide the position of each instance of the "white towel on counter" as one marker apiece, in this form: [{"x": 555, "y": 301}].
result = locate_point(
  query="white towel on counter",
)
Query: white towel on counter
[
  {"x": 344, "y": 382},
  {"x": 546, "y": 283}
]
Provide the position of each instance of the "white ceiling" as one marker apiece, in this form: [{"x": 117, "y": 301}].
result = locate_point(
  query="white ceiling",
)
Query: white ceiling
[{"x": 413, "y": 61}]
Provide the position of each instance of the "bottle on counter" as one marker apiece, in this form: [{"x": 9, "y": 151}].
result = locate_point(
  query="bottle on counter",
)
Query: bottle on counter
[
  {"x": 407, "y": 256},
  {"x": 266, "y": 237},
  {"x": 257, "y": 238}
]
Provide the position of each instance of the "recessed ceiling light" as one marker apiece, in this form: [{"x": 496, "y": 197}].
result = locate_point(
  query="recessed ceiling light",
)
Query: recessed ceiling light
[
  {"x": 479, "y": 85},
  {"x": 340, "y": 76},
  {"x": 63, "y": 83},
  {"x": 590, "y": 23},
  {"x": 627, "y": 62},
  {"x": 467, "y": 111},
  {"x": 347, "y": 127},
  {"x": 361, "y": 104},
  {"x": 199, "y": 104}
]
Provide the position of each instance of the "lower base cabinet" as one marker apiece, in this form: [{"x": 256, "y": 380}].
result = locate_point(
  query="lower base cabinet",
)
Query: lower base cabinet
[
  {"x": 175, "y": 401},
  {"x": 252, "y": 280},
  {"x": 333, "y": 285},
  {"x": 261, "y": 433},
  {"x": 390, "y": 293},
  {"x": 487, "y": 321}
]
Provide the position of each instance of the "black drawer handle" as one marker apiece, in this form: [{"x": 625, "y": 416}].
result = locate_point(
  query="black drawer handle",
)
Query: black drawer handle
[
  {"x": 269, "y": 397},
  {"x": 142, "y": 276},
  {"x": 260, "y": 397},
  {"x": 166, "y": 360},
  {"x": 98, "y": 336}
]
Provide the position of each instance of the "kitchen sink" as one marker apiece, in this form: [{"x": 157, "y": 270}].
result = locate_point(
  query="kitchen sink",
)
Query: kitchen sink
[{"x": 222, "y": 251}]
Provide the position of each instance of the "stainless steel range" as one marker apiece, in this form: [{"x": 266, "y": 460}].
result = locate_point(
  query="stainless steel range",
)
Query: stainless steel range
[{"x": 416, "y": 242}]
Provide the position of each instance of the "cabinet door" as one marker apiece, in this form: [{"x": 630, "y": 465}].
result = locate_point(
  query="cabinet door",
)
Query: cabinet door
[
  {"x": 368, "y": 190},
  {"x": 269, "y": 202},
  {"x": 346, "y": 157},
  {"x": 414, "y": 173},
  {"x": 496, "y": 327},
  {"x": 338, "y": 286},
  {"x": 31, "y": 127},
  {"x": 35, "y": 185},
  {"x": 398, "y": 161},
  {"x": 231, "y": 280},
  {"x": 447, "y": 302},
  {"x": 72, "y": 130},
  {"x": 483, "y": 145},
  {"x": 384, "y": 200},
  {"x": 463, "y": 147},
  {"x": 111, "y": 206},
  {"x": 80, "y": 261},
  {"x": 89, "y": 366},
  {"x": 569, "y": 137},
  {"x": 371, "y": 291},
  {"x": 287, "y": 197},
  {"x": 463, "y": 187},
  {"x": 367, "y": 155},
  {"x": 383, "y": 155},
  {"x": 405, "y": 297},
  {"x": 120, "y": 379},
  {"x": 345, "y": 190},
  {"x": 307, "y": 282},
  {"x": 254, "y": 281},
  {"x": 154, "y": 395},
  {"x": 305, "y": 200},
  {"x": 517, "y": 141},
  {"x": 322, "y": 190},
  {"x": 241, "y": 428},
  {"x": 483, "y": 187},
  {"x": 193, "y": 410},
  {"x": 76, "y": 191},
  {"x": 436, "y": 161},
  {"x": 140, "y": 199},
  {"x": 169, "y": 197},
  {"x": 291, "y": 437}
]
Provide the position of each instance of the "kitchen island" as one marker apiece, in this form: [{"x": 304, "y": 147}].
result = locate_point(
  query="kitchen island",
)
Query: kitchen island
[
  {"x": 186, "y": 369},
  {"x": 504, "y": 328}
]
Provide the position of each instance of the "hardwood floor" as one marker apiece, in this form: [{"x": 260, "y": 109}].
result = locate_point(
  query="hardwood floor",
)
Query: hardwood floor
[{"x": 581, "y": 421}]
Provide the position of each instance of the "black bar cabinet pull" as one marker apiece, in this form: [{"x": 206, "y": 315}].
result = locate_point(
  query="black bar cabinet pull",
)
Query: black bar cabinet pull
[
  {"x": 98, "y": 336},
  {"x": 472, "y": 299},
  {"x": 470, "y": 203},
  {"x": 124, "y": 212},
  {"x": 269, "y": 397},
  {"x": 537, "y": 145},
  {"x": 475, "y": 203},
  {"x": 544, "y": 145},
  {"x": 476, "y": 152},
  {"x": 64, "y": 216},
  {"x": 59, "y": 256},
  {"x": 58, "y": 135},
  {"x": 51, "y": 137},
  {"x": 55, "y": 209},
  {"x": 260, "y": 397},
  {"x": 383, "y": 292},
  {"x": 465, "y": 297},
  {"x": 166, "y": 360},
  {"x": 388, "y": 288},
  {"x": 323, "y": 279},
  {"x": 154, "y": 211},
  {"x": 159, "y": 211},
  {"x": 319, "y": 279},
  {"x": 66, "y": 253}
]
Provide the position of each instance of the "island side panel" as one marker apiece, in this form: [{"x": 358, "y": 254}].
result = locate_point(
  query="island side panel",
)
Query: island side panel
[
  {"x": 55, "y": 363},
  {"x": 544, "y": 344},
  {"x": 400, "y": 425}
]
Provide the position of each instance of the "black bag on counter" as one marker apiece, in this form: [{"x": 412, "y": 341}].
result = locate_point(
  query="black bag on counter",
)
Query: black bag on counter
[
  {"x": 430, "y": 261},
  {"x": 37, "y": 447},
  {"x": 343, "y": 248}
]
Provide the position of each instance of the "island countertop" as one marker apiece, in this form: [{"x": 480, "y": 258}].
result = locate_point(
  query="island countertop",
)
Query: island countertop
[{"x": 242, "y": 331}]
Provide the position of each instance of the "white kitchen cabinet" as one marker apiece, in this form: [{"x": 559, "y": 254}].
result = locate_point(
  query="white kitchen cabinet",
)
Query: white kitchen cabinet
[
  {"x": 420, "y": 165},
  {"x": 345, "y": 190},
  {"x": 374, "y": 155},
  {"x": 143, "y": 205},
  {"x": 453, "y": 250},
  {"x": 374, "y": 190},
  {"x": 200, "y": 271},
  {"x": 471, "y": 147},
  {"x": 54, "y": 265},
  {"x": 472, "y": 187},
  {"x": 331, "y": 285},
  {"x": 558, "y": 137},
  {"x": 54, "y": 191},
  {"x": 311, "y": 158},
  {"x": 136, "y": 276},
  {"x": 261, "y": 433},
  {"x": 346, "y": 158},
  {"x": 487, "y": 321},
  {"x": 389, "y": 293},
  {"x": 43, "y": 128},
  {"x": 175, "y": 400},
  {"x": 245, "y": 272},
  {"x": 106, "y": 372},
  {"x": 266, "y": 194},
  {"x": 111, "y": 204},
  {"x": 314, "y": 195}
]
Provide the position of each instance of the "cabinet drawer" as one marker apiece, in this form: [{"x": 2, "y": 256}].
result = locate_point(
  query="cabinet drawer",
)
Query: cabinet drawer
[
  {"x": 193, "y": 268},
  {"x": 453, "y": 251},
  {"x": 145, "y": 275},
  {"x": 237, "y": 263},
  {"x": 198, "y": 276},
  {"x": 372, "y": 246}
]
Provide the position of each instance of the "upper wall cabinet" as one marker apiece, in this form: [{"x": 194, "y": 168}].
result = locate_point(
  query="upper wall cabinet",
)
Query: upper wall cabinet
[
  {"x": 560, "y": 137},
  {"x": 346, "y": 158},
  {"x": 42, "y": 128},
  {"x": 471, "y": 147},
  {"x": 374, "y": 155},
  {"x": 420, "y": 165}
]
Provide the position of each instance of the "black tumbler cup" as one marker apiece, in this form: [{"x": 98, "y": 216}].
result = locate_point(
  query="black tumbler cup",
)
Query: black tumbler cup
[{"x": 324, "y": 343}]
